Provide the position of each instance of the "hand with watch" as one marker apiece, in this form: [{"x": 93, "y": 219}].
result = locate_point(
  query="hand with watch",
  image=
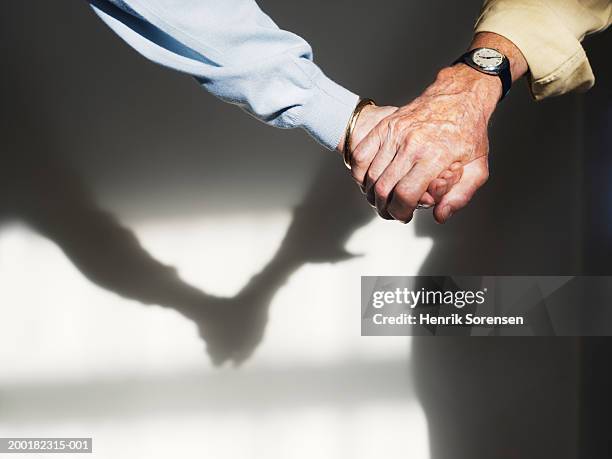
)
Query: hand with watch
[{"x": 441, "y": 131}]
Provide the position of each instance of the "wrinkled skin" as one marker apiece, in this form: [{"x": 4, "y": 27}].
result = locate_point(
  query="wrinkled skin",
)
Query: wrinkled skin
[
  {"x": 370, "y": 118},
  {"x": 415, "y": 150}
]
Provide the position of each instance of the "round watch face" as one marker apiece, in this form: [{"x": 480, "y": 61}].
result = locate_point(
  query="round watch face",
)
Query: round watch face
[{"x": 487, "y": 58}]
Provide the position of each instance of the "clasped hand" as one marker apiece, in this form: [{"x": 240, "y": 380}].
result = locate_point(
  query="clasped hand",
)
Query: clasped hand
[{"x": 431, "y": 152}]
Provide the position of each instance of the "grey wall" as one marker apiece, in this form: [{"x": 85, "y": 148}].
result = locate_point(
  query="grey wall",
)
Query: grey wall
[{"x": 93, "y": 131}]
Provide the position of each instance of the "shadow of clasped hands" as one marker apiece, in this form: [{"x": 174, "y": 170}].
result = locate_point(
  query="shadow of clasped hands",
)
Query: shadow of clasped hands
[{"x": 43, "y": 191}]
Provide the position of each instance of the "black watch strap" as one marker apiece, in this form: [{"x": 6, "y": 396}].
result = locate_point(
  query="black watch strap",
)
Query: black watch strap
[
  {"x": 506, "y": 78},
  {"x": 503, "y": 71}
]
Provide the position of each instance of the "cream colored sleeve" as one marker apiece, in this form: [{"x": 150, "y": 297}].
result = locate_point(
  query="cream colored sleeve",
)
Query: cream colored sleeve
[{"x": 548, "y": 33}]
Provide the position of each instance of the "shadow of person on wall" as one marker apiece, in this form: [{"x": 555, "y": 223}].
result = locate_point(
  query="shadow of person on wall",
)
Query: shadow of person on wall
[
  {"x": 39, "y": 187},
  {"x": 505, "y": 397},
  {"x": 473, "y": 392}
]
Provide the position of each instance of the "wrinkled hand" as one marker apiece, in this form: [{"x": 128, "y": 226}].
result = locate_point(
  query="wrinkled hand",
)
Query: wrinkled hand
[
  {"x": 409, "y": 151},
  {"x": 369, "y": 118}
]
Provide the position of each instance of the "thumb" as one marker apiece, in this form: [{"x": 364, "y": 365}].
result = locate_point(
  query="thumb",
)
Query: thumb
[{"x": 475, "y": 175}]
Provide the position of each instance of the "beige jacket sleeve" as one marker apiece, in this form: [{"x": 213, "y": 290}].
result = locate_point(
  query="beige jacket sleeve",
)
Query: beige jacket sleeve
[{"x": 548, "y": 33}]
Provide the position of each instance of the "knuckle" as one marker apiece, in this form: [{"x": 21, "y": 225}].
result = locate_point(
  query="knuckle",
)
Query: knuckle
[
  {"x": 418, "y": 155},
  {"x": 406, "y": 197},
  {"x": 417, "y": 137},
  {"x": 400, "y": 214},
  {"x": 411, "y": 147},
  {"x": 381, "y": 190},
  {"x": 359, "y": 158},
  {"x": 447, "y": 156},
  {"x": 439, "y": 188},
  {"x": 393, "y": 125},
  {"x": 438, "y": 160}
]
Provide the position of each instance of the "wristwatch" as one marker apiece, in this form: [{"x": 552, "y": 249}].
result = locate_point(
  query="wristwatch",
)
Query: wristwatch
[{"x": 491, "y": 62}]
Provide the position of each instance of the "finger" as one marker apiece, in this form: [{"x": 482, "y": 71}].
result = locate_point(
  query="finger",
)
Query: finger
[
  {"x": 475, "y": 174},
  {"x": 381, "y": 192},
  {"x": 445, "y": 181},
  {"x": 427, "y": 201},
  {"x": 381, "y": 161},
  {"x": 400, "y": 166},
  {"x": 411, "y": 187},
  {"x": 364, "y": 153},
  {"x": 217, "y": 354},
  {"x": 384, "y": 161}
]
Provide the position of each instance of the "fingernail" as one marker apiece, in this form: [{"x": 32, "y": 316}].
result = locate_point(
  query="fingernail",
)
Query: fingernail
[{"x": 447, "y": 213}]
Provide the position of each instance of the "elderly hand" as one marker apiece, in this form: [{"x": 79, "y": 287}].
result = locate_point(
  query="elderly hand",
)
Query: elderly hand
[
  {"x": 399, "y": 158},
  {"x": 414, "y": 147},
  {"x": 370, "y": 117}
]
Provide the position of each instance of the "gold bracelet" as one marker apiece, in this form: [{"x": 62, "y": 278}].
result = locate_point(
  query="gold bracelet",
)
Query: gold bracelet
[{"x": 350, "y": 127}]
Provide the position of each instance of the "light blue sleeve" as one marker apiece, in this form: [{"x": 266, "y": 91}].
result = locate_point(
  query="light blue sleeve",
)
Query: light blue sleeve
[{"x": 238, "y": 54}]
